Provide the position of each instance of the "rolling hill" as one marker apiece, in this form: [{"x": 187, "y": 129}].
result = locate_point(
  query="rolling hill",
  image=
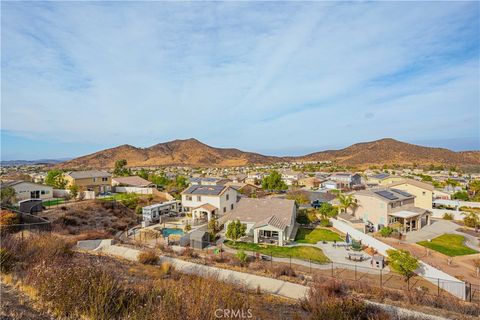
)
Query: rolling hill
[{"x": 192, "y": 152}]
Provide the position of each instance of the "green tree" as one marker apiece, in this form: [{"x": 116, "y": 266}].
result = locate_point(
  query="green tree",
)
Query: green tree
[
  {"x": 299, "y": 196},
  {"x": 472, "y": 219},
  {"x": 274, "y": 182},
  {"x": 402, "y": 262},
  {"x": 235, "y": 230},
  {"x": 452, "y": 182},
  {"x": 474, "y": 187},
  {"x": 181, "y": 182},
  {"x": 346, "y": 202},
  {"x": 55, "y": 179},
  {"x": 121, "y": 168},
  {"x": 73, "y": 191},
  {"x": 143, "y": 174},
  {"x": 7, "y": 196},
  {"x": 213, "y": 228},
  {"x": 460, "y": 195},
  {"x": 241, "y": 256},
  {"x": 326, "y": 210}
]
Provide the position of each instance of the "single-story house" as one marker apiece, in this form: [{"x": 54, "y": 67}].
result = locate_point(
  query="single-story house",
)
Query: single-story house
[
  {"x": 133, "y": 181},
  {"x": 268, "y": 220},
  {"x": 28, "y": 190}
]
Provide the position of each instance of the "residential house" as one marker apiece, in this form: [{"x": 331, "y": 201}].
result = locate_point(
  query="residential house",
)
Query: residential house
[
  {"x": 331, "y": 185},
  {"x": 208, "y": 181},
  {"x": 383, "y": 207},
  {"x": 28, "y": 190},
  {"x": 422, "y": 191},
  {"x": 91, "y": 180},
  {"x": 255, "y": 178},
  {"x": 268, "y": 220},
  {"x": 309, "y": 182},
  {"x": 346, "y": 180},
  {"x": 246, "y": 189},
  {"x": 133, "y": 181},
  {"x": 292, "y": 177},
  {"x": 383, "y": 179},
  {"x": 238, "y": 178},
  {"x": 207, "y": 201}
]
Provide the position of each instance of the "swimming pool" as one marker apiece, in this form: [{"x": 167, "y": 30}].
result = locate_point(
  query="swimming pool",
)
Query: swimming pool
[{"x": 168, "y": 231}]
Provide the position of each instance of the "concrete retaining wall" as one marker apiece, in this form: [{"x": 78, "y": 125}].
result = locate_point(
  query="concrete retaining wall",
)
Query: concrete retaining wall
[
  {"x": 134, "y": 190},
  {"x": 429, "y": 273}
]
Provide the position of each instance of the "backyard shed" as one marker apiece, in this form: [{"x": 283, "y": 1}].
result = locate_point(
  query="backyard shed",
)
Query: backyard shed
[{"x": 199, "y": 239}]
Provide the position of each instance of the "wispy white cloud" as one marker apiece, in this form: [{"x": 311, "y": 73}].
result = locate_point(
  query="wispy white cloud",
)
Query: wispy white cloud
[{"x": 260, "y": 76}]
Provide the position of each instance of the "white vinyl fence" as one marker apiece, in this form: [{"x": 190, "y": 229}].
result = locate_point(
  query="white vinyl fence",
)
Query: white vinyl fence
[
  {"x": 438, "y": 213},
  {"x": 134, "y": 190},
  {"x": 443, "y": 280}
]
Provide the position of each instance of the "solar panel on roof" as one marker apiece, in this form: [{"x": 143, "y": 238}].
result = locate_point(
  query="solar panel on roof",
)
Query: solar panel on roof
[
  {"x": 387, "y": 194},
  {"x": 403, "y": 193}
]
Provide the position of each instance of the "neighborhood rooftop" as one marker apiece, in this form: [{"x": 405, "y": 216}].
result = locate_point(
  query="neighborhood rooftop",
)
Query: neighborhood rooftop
[
  {"x": 133, "y": 180},
  {"x": 263, "y": 210},
  {"x": 205, "y": 190},
  {"x": 88, "y": 174},
  {"x": 387, "y": 194}
]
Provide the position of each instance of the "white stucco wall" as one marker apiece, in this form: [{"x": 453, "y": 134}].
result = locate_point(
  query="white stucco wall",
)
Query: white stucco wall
[
  {"x": 219, "y": 202},
  {"x": 23, "y": 190}
]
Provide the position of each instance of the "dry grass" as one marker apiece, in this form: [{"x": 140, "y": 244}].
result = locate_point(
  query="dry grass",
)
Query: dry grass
[{"x": 148, "y": 257}]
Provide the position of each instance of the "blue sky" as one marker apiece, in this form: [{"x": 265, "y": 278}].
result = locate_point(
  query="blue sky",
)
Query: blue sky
[{"x": 276, "y": 78}]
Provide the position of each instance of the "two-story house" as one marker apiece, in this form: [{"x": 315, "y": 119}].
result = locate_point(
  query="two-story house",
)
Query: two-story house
[
  {"x": 386, "y": 206},
  {"x": 291, "y": 177},
  {"x": 206, "y": 201},
  {"x": 91, "y": 180},
  {"x": 422, "y": 191},
  {"x": 346, "y": 180}
]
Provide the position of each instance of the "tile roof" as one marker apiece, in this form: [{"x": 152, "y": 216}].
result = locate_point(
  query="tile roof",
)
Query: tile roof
[
  {"x": 132, "y": 181},
  {"x": 273, "y": 211},
  {"x": 88, "y": 174}
]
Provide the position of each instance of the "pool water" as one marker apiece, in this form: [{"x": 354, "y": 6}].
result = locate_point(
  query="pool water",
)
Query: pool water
[{"x": 168, "y": 231}]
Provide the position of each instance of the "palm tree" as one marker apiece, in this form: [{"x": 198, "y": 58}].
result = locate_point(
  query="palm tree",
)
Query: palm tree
[
  {"x": 346, "y": 202},
  {"x": 473, "y": 216}
]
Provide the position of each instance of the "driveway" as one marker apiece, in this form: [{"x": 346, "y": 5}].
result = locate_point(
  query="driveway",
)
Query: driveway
[{"x": 437, "y": 228}]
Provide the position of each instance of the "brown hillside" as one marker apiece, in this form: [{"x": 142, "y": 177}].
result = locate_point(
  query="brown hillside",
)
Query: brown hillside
[
  {"x": 189, "y": 152},
  {"x": 192, "y": 152},
  {"x": 389, "y": 151}
]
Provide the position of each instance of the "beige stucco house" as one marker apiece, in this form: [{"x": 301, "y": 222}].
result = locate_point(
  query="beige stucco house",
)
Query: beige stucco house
[
  {"x": 28, "y": 190},
  {"x": 422, "y": 191},
  {"x": 386, "y": 206},
  {"x": 383, "y": 179},
  {"x": 268, "y": 220},
  {"x": 91, "y": 180}
]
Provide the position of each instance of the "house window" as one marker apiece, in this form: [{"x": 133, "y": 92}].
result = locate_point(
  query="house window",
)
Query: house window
[
  {"x": 227, "y": 197},
  {"x": 199, "y": 198},
  {"x": 224, "y": 209},
  {"x": 189, "y": 198},
  {"x": 43, "y": 192},
  {"x": 94, "y": 179},
  {"x": 104, "y": 179},
  {"x": 424, "y": 193},
  {"x": 231, "y": 206}
]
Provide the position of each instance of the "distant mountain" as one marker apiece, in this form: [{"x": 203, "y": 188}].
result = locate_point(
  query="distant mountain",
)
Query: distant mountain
[
  {"x": 390, "y": 151},
  {"x": 10, "y": 163},
  {"x": 189, "y": 152},
  {"x": 192, "y": 152}
]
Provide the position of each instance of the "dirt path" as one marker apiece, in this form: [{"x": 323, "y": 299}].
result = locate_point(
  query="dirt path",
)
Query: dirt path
[{"x": 14, "y": 305}]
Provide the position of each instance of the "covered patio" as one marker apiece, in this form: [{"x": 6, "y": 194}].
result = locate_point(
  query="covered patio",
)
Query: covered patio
[
  {"x": 204, "y": 212},
  {"x": 411, "y": 219},
  {"x": 270, "y": 230}
]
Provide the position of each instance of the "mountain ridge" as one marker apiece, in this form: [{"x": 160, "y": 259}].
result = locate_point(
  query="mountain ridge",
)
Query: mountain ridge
[{"x": 192, "y": 152}]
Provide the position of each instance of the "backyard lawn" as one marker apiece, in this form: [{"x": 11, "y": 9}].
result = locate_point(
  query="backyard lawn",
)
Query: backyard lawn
[
  {"x": 299, "y": 252},
  {"x": 315, "y": 235},
  {"x": 53, "y": 202},
  {"x": 449, "y": 244}
]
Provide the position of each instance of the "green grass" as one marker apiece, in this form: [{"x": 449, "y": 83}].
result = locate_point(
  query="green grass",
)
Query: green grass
[
  {"x": 53, "y": 202},
  {"x": 299, "y": 252},
  {"x": 449, "y": 244},
  {"x": 315, "y": 235}
]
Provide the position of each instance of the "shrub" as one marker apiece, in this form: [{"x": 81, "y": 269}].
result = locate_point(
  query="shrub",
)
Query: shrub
[
  {"x": 148, "y": 257},
  {"x": 7, "y": 260},
  {"x": 187, "y": 227},
  {"x": 166, "y": 267},
  {"x": 386, "y": 231},
  {"x": 241, "y": 256},
  {"x": 325, "y": 223},
  {"x": 283, "y": 270},
  {"x": 447, "y": 216}
]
